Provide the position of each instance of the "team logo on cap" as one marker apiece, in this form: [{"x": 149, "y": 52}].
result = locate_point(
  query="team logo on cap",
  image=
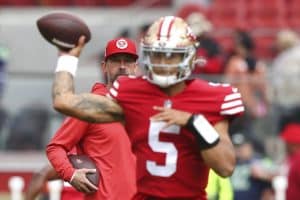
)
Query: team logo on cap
[{"x": 122, "y": 44}]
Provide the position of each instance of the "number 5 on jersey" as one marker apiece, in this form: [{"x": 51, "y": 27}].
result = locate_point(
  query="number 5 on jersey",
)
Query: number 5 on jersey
[{"x": 168, "y": 148}]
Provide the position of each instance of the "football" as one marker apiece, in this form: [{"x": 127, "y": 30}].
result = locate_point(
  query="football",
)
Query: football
[
  {"x": 83, "y": 161},
  {"x": 63, "y": 29}
]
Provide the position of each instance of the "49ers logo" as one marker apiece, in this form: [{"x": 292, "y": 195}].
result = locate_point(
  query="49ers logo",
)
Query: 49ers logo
[{"x": 122, "y": 44}]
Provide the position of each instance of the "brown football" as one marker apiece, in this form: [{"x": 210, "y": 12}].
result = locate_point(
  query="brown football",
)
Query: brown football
[
  {"x": 83, "y": 161},
  {"x": 63, "y": 29}
]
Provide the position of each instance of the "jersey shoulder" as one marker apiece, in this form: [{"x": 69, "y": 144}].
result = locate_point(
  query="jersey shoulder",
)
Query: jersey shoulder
[
  {"x": 99, "y": 88},
  {"x": 128, "y": 88},
  {"x": 223, "y": 94},
  {"x": 212, "y": 88},
  {"x": 128, "y": 84},
  {"x": 129, "y": 80}
]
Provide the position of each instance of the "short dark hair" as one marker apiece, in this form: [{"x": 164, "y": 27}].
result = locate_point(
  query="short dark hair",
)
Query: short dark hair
[{"x": 245, "y": 39}]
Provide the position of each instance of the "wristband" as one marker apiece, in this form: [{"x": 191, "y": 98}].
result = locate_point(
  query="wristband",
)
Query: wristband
[
  {"x": 205, "y": 133},
  {"x": 71, "y": 179},
  {"x": 67, "y": 63}
]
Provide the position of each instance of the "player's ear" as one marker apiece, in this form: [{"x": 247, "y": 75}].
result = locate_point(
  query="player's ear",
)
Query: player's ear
[
  {"x": 103, "y": 66},
  {"x": 135, "y": 68}
]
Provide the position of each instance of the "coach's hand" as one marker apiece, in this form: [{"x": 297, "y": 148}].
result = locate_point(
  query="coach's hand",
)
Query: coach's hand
[{"x": 81, "y": 183}]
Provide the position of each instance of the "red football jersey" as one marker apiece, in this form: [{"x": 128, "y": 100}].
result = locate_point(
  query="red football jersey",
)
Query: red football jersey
[
  {"x": 70, "y": 193},
  {"x": 169, "y": 163},
  {"x": 106, "y": 144},
  {"x": 292, "y": 191}
]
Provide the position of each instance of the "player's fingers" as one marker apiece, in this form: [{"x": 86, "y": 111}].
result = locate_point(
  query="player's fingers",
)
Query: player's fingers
[
  {"x": 81, "y": 41},
  {"x": 159, "y": 108},
  {"x": 89, "y": 171},
  {"x": 158, "y": 117},
  {"x": 91, "y": 186},
  {"x": 79, "y": 187},
  {"x": 85, "y": 188}
]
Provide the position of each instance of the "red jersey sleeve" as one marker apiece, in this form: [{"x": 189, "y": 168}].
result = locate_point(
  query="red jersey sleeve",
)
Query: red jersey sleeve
[
  {"x": 228, "y": 102},
  {"x": 216, "y": 101},
  {"x": 67, "y": 136},
  {"x": 118, "y": 85},
  {"x": 99, "y": 89},
  {"x": 231, "y": 104}
]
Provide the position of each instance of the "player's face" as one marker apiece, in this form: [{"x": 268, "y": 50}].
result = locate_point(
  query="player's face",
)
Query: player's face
[
  {"x": 158, "y": 59},
  {"x": 120, "y": 64}
]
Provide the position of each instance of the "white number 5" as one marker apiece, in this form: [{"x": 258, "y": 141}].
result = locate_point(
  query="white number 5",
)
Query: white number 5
[{"x": 169, "y": 168}]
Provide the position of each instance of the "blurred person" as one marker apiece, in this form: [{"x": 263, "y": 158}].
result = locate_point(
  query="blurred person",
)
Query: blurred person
[
  {"x": 106, "y": 144},
  {"x": 218, "y": 188},
  {"x": 39, "y": 182},
  {"x": 178, "y": 127},
  {"x": 245, "y": 72},
  {"x": 31, "y": 121},
  {"x": 142, "y": 30},
  {"x": 285, "y": 72},
  {"x": 291, "y": 137},
  {"x": 4, "y": 54},
  {"x": 252, "y": 176},
  {"x": 208, "y": 47}
]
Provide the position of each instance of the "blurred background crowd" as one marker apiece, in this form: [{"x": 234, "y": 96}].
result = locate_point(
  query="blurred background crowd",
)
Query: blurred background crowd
[{"x": 251, "y": 44}]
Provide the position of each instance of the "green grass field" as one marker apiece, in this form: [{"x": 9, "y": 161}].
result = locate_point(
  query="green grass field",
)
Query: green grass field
[{"x": 4, "y": 196}]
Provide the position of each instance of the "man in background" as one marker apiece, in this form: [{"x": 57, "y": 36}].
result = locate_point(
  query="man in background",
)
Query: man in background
[
  {"x": 291, "y": 137},
  {"x": 106, "y": 144}
]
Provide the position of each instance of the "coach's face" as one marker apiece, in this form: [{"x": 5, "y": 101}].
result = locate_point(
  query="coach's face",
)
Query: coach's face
[{"x": 119, "y": 64}]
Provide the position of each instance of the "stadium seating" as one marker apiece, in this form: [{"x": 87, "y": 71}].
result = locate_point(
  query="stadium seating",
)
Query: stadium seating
[
  {"x": 267, "y": 14},
  {"x": 228, "y": 14},
  {"x": 17, "y": 2},
  {"x": 264, "y": 45},
  {"x": 189, "y": 8},
  {"x": 293, "y": 14}
]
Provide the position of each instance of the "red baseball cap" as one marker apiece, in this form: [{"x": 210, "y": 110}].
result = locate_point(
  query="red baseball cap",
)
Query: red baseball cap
[
  {"x": 291, "y": 133},
  {"x": 120, "y": 45}
]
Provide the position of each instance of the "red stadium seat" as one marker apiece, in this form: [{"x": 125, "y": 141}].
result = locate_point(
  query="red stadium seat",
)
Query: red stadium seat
[
  {"x": 55, "y": 2},
  {"x": 18, "y": 3},
  {"x": 116, "y": 2},
  {"x": 267, "y": 14},
  {"x": 224, "y": 39},
  {"x": 229, "y": 14},
  {"x": 293, "y": 14},
  {"x": 161, "y": 3},
  {"x": 86, "y": 2},
  {"x": 190, "y": 8},
  {"x": 264, "y": 45}
]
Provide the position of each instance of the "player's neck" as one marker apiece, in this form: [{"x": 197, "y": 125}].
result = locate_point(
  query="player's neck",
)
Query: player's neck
[
  {"x": 108, "y": 85},
  {"x": 174, "y": 89}
]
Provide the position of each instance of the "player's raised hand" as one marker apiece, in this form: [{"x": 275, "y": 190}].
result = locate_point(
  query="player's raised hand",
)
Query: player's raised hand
[
  {"x": 76, "y": 51},
  {"x": 171, "y": 116},
  {"x": 81, "y": 183}
]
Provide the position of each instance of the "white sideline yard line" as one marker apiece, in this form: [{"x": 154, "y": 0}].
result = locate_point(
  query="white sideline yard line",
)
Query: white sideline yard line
[
  {"x": 22, "y": 162},
  {"x": 21, "y": 167}
]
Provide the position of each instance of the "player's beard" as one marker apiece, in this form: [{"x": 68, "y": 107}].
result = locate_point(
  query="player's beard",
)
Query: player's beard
[{"x": 120, "y": 73}]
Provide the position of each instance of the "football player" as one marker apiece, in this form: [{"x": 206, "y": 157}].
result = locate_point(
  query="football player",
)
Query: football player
[
  {"x": 178, "y": 127},
  {"x": 108, "y": 144}
]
